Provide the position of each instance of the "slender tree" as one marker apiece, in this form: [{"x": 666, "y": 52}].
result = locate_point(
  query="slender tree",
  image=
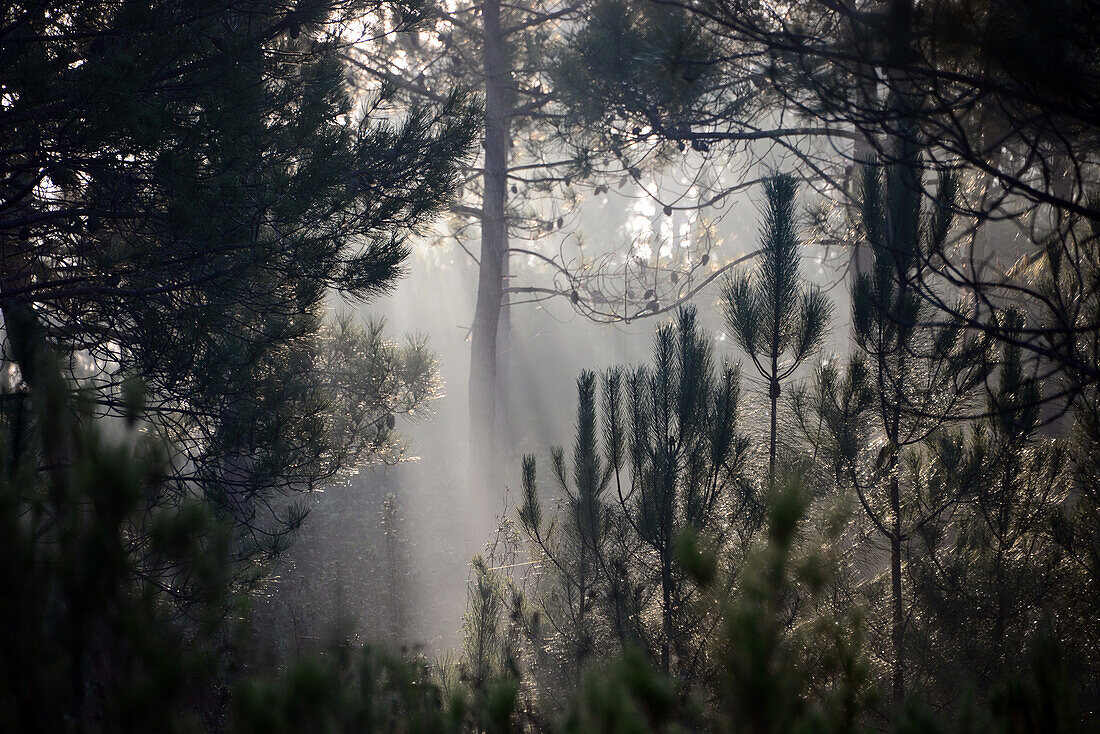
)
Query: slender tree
[
  {"x": 910, "y": 376},
  {"x": 502, "y": 51},
  {"x": 920, "y": 373},
  {"x": 776, "y": 318},
  {"x": 541, "y": 161},
  {"x": 580, "y": 534}
]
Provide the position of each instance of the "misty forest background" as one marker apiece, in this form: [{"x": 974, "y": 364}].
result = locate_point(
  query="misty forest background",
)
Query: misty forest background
[{"x": 550, "y": 365}]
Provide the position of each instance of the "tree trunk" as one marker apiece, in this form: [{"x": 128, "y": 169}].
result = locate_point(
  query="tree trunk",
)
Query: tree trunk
[
  {"x": 771, "y": 448},
  {"x": 666, "y": 611},
  {"x": 485, "y": 397},
  {"x": 504, "y": 387},
  {"x": 899, "y": 38},
  {"x": 864, "y": 150},
  {"x": 897, "y": 621},
  {"x": 773, "y": 394}
]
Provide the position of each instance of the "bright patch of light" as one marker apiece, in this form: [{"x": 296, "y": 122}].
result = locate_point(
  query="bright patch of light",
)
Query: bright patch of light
[
  {"x": 638, "y": 222},
  {"x": 665, "y": 230},
  {"x": 685, "y": 234}
]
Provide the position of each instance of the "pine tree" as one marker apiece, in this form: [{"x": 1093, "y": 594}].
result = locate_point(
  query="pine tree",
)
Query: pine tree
[
  {"x": 920, "y": 373},
  {"x": 576, "y": 541},
  {"x": 910, "y": 376},
  {"x": 183, "y": 185},
  {"x": 673, "y": 453},
  {"x": 504, "y": 55},
  {"x": 776, "y": 318},
  {"x": 1068, "y": 276},
  {"x": 988, "y": 572},
  {"x": 484, "y": 654},
  {"x": 91, "y": 638}
]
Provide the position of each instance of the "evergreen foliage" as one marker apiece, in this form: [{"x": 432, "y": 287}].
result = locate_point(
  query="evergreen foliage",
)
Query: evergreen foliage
[
  {"x": 776, "y": 318},
  {"x": 350, "y": 690},
  {"x": 183, "y": 185},
  {"x": 989, "y": 567},
  {"x": 912, "y": 372},
  {"x": 89, "y": 637},
  {"x": 948, "y": 518},
  {"x": 90, "y": 645},
  {"x": 644, "y": 73},
  {"x": 1072, "y": 284},
  {"x": 671, "y": 460}
]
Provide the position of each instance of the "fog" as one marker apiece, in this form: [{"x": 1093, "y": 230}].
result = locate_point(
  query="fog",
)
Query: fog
[{"x": 341, "y": 569}]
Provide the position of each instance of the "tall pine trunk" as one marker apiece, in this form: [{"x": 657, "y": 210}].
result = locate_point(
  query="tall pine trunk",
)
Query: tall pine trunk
[
  {"x": 897, "y": 621},
  {"x": 773, "y": 395},
  {"x": 897, "y": 617},
  {"x": 486, "y": 399}
]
